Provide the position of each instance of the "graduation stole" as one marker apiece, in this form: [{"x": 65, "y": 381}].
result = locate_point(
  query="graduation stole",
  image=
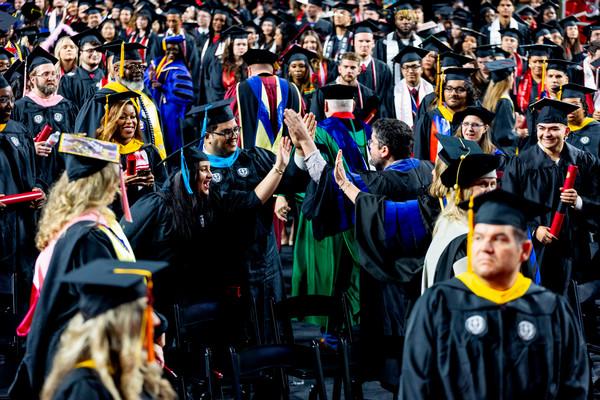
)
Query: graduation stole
[
  {"x": 476, "y": 285},
  {"x": 131, "y": 147},
  {"x": 353, "y": 156},
  {"x": 161, "y": 65},
  {"x": 117, "y": 238},
  {"x": 265, "y": 136},
  {"x": 16, "y": 50},
  {"x": 147, "y": 107},
  {"x": 586, "y": 122},
  {"x": 440, "y": 123}
]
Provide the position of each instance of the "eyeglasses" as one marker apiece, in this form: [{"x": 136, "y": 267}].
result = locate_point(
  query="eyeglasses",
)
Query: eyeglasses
[
  {"x": 133, "y": 67},
  {"x": 458, "y": 90},
  {"x": 472, "y": 125},
  {"x": 90, "y": 51},
  {"x": 411, "y": 67},
  {"x": 228, "y": 133},
  {"x": 6, "y": 99},
  {"x": 47, "y": 74}
]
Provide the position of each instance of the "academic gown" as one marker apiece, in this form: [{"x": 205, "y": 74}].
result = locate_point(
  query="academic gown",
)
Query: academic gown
[
  {"x": 262, "y": 122},
  {"x": 437, "y": 120},
  {"x": 317, "y": 104},
  {"x": 536, "y": 177},
  {"x": 587, "y": 138},
  {"x": 390, "y": 258},
  {"x": 462, "y": 346},
  {"x": 322, "y": 27},
  {"x": 60, "y": 117},
  {"x": 503, "y": 127},
  {"x": 82, "y": 383},
  {"x": 58, "y": 303},
  {"x": 79, "y": 85},
  {"x": 91, "y": 116},
  {"x": 378, "y": 77},
  {"x": 251, "y": 253},
  {"x": 17, "y": 222},
  {"x": 334, "y": 47}
]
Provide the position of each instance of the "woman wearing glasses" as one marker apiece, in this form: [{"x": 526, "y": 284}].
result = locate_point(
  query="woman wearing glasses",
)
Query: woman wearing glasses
[{"x": 473, "y": 123}]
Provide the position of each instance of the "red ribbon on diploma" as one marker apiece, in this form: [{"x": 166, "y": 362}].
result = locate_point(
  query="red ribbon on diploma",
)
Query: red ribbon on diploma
[
  {"x": 559, "y": 215},
  {"x": 21, "y": 197},
  {"x": 44, "y": 134}
]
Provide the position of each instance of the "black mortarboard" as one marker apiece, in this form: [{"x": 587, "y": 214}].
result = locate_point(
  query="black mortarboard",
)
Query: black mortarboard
[
  {"x": 39, "y": 56},
  {"x": 559, "y": 65},
  {"x": 409, "y": 54},
  {"x": 273, "y": 18},
  {"x": 6, "y": 21},
  {"x": 215, "y": 113},
  {"x": 491, "y": 50},
  {"x": 499, "y": 207},
  {"x": 235, "y": 32},
  {"x": 13, "y": 71},
  {"x": 130, "y": 50},
  {"x": 537, "y": 49},
  {"x": 299, "y": 53},
  {"x": 500, "y": 69},
  {"x": 372, "y": 7},
  {"x": 85, "y": 156},
  {"x": 472, "y": 32},
  {"x": 191, "y": 151},
  {"x": 552, "y": 111},
  {"x": 426, "y": 29},
  {"x": 483, "y": 113},
  {"x": 575, "y": 91},
  {"x": 174, "y": 7},
  {"x": 106, "y": 283},
  {"x": 569, "y": 21},
  {"x": 464, "y": 171},
  {"x": 526, "y": 11},
  {"x": 546, "y": 5},
  {"x": 338, "y": 92},
  {"x": 512, "y": 32},
  {"x": 115, "y": 97},
  {"x": 5, "y": 54},
  {"x": 259, "y": 56},
  {"x": 496, "y": 3},
  {"x": 126, "y": 7},
  {"x": 459, "y": 74},
  {"x": 3, "y": 82},
  {"x": 366, "y": 26},
  {"x": 594, "y": 26},
  {"x": 88, "y": 36},
  {"x": 219, "y": 9},
  {"x": 31, "y": 12},
  {"x": 451, "y": 59},
  {"x": 344, "y": 6},
  {"x": 434, "y": 44},
  {"x": 454, "y": 147},
  {"x": 251, "y": 25},
  {"x": 93, "y": 10},
  {"x": 32, "y": 33}
]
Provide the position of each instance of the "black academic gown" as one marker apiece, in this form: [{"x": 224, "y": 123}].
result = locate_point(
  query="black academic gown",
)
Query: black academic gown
[
  {"x": 536, "y": 177},
  {"x": 17, "y": 222},
  {"x": 58, "y": 302},
  {"x": 60, "y": 117},
  {"x": 250, "y": 253},
  {"x": 587, "y": 138},
  {"x": 322, "y": 27},
  {"x": 378, "y": 77},
  {"x": 503, "y": 127},
  {"x": 462, "y": 346},
  {"x": 366, "y": 96},
  {"x": 79, "y": 85},
  {"x": 248, "y": 108},
  {"x": 388, "y": 287},
  {"x": 82, "y": 383}
]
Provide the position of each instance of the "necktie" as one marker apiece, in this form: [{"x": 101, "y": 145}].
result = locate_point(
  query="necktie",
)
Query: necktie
[
  {"x": 414, "y": 94},
  {"x": 363, "y": 68}
]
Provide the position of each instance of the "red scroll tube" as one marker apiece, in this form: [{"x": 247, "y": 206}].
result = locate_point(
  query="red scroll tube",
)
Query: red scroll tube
[
  {"x": 44, "y": 134},
  {"x": 21, "y": 197},
  {"x": 559, "y": 215},
  {"x": 131, "y": 164}
]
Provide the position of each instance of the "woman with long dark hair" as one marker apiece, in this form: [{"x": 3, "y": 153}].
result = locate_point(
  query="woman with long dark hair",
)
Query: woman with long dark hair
[
  {"x": 324, "y": 69},
  {"x": 142, "y": 33},
  {"x": 299, "y": 71}
]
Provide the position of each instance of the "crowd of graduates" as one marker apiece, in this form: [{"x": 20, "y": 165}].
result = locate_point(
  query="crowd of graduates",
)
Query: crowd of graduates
[{"x": 434, "y": 168}]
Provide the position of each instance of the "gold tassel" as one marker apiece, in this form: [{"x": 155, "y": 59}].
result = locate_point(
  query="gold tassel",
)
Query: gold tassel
[
  {"x": 471, "y": 219},
  {"x": 122, "y": 63},
  {"x": 559, "y": 94},
  {"x": 106, "y": 112},
  {"x": 437, "y": 79},
  {"x": 543, "y": 82},
  {"x": 441, "y": 91}
]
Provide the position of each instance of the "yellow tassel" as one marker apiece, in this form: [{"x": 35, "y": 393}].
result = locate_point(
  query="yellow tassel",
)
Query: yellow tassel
[
  {"x": 122, "y": 63},
  {"x": 471, "y": 218},
  {"x": 456, "y": 185},
  {"x": 543, "y": 82},
  {"x": 440, "y": 93},
  {"x": 437, "y": 78},
  {"x": 106, "y": 112},
  {"x": 559, "y": 94}
]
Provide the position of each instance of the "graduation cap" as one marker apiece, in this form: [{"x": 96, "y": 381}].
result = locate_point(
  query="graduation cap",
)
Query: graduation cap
[
  {"x": 174, "y": 7},
  {"x": 93, "y": 10},
  {"x": 539, "y": 50},
  {"x": 526, "y": 11},
  {"x": 547, "y": 5},
  {"x": 552, "y": 111},
  {"x": 511, "y": 32},
  {"x": 500, "y": 69},
  {"x": 6, "y": 21},
  {"x": 491, "y": 50},
  {"x": 481, "y": 112},
  {"x": 3, "y": 82},
  {"x": 105, "y": 284},
  {"x": 338, "y": 92},
  {"x": 31, "y": 12},
  {"x": 453, "y": 148},
  {"x": 214, "y": 113},
  {"x": 459, "y": 74},
  {"x": 299, "y": 53},
  {"x": 88, "y": 36},
  {"x": 559, "y": 65},
  {"x": 251, "y": 25},
  {"x": 276, "y": 19},
  {"x": 575, "y": 91},
  {"x": 451, "y": 59},
  {"x": 5, "y": 54},
  {"x": 37, "y": 57},
  {"x": 85, "y": 156},
  {"x": 123, "y": 50},
  {"x": 569, "y": 21},
  {"x": 427, "y": 28},
  {"x": 191, "y": 151},
  {"x": 434, "y": 44},
  {"x": 472, "y": 32},
  {"x": 32, "y": 33},
  {"x": 499, "y": 207},
  {"x": 112, "y": 98},
  {"x": 12, "y": 72},
  {"x": 259, "y": 56},
  {"x": 366, "y": 26},
  {"x": 344, "y": 6},
  {"x": 409, "y": 54},
  {"x": 235, "y": 32},
  {"x": 372, "y": 7},
  {"x": 220, "y": 9}
]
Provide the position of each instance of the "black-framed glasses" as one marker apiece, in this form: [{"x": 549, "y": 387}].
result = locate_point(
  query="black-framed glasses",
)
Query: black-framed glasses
[
  {"x": 228, "y": 133},
  {"x": 457, "y": 90},
  {"x": 133, "y": 67}
]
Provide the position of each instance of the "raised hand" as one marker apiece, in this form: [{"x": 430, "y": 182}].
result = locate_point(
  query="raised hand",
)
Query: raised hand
[
  {"x": 283, "y": 155},
  {"x": 339, "y": 171},
  {"x": 310, "y": 122}
]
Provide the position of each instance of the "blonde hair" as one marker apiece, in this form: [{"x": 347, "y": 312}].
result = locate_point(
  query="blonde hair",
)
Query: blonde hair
[
  {"x": 69, "y": 199},
  {"x": 437, "y": 189},
  {"x": 59, "y": 45},
  {"x": 115, "y": 111},
  {"x": 484, "y": 142},
  {"x": 495, "y": 91},
  {"x": 109, "y": 338},
  {"x": 452, "y": 211}
]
